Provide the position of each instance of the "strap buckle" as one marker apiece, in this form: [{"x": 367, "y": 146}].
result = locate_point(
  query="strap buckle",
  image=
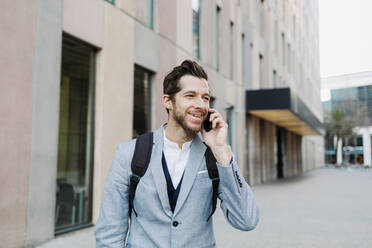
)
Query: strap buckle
[
  {"x": 134, "y": 179},
  {"x": 215, "y": 180}
]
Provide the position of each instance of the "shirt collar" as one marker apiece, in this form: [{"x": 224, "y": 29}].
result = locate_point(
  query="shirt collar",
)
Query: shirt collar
[{"x": 172, "y": 145}]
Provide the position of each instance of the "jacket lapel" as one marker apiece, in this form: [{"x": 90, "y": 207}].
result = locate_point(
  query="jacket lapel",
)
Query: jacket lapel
[
  {"x": 192, "y": 167},
  {"x": 157, "y": 170}
]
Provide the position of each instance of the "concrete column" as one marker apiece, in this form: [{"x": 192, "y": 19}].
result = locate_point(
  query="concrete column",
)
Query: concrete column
[
  {"x": 339, "y": 152},
  {"x": 45, "y": 121},
  {"x": 367, "y": 147}
]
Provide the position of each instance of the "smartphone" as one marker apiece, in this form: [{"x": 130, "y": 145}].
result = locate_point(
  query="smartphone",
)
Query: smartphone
[{"x": 207, "y": 125}]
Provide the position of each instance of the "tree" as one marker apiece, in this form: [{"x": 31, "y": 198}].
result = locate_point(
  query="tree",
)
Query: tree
[{"x": 339, "y": 125}]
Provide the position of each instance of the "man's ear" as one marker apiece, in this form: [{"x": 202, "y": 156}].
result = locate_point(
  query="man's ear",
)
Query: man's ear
[{"x": 167, "y": 102}]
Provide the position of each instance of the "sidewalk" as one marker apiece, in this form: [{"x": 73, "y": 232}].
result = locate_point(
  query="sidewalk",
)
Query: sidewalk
[{"x": 323, "y": 208}]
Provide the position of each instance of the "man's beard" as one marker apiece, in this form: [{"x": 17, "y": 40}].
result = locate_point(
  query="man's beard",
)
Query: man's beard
[{"x": 180, "y": 119}]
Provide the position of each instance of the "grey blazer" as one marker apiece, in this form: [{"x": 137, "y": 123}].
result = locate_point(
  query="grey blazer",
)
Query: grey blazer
[{"x": 156, "y": 225}]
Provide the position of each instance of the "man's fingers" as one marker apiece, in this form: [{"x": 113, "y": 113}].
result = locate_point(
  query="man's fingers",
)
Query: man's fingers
[{"x": 218, "y": 122}]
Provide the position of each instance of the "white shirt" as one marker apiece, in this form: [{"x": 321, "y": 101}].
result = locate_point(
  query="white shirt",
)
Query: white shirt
[{"x": 176, "y": 159}]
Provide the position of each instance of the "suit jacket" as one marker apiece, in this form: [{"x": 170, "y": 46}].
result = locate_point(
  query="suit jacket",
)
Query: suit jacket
[{"x": 156, "y": 225}]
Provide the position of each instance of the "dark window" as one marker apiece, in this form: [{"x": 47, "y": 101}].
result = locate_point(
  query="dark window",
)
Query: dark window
[
  {"x": 261, "y": 71},
  {"x": 359, "y": 141},
  {"x": 218, "y": 10},
  {"x": 230, "y": 122},
  {"x": 111, "y": 1},
  {"x": 76, "y": 137},
  {"x": 196, "y": 27},
  {"x": 244, "y": 64},
  {"x": 231, "y": 50},
  {"x": 141, "y": 101},
  {"x": 150, "y": 14},
  {"x": 275, "y": 79}
]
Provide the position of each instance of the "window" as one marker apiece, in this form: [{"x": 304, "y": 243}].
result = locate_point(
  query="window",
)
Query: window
[
  {"x": 359, "y": 141},
  {"x": 141, "y": 101},
  {"x": 76, "y": 136},
  {"x": 289, "y": 58},
  {"x": 261, "y": 73},
  {"x": 231, "y": 50},
  {"x": 229, "y": 121},
  {"x": 276, "y": 37},
  {"x": 244, "y": 79},
  {"x": 196, "y": 27},
  {"x": 275, "y": 79},
  {"x": 218, "y": 10},
  {"x": 150, "y": 14},
  {"x": 283, "y": 49},
  {"x": 251, "y": 65},
  {"x": 262, "y": 19},
  {"x": 111, "y": 1}
]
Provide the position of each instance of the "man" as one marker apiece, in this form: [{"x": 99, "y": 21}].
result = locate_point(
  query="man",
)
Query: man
[{"x": 178, "y": 164}]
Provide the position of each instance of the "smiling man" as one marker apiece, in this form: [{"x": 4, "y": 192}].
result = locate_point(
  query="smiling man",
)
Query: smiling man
[{"x": 184, "y": 169}]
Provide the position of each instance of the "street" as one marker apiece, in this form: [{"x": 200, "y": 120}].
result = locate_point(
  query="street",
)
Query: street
[{"x": 323, "y": 208}]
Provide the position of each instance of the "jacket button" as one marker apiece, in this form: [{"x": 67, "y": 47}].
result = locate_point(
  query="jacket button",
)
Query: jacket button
[{"x": 175, "y": 223}]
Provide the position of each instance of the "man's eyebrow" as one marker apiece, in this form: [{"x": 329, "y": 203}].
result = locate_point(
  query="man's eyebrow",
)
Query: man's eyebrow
[{"x": 194, "y": 92}]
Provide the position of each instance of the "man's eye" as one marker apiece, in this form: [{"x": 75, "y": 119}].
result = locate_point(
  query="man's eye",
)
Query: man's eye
[
  {"x": 206, "y": 98},
  {"x": 189, "y": 96}
]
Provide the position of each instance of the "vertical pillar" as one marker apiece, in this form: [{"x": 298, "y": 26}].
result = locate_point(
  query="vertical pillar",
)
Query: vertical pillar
[
  {"x": 366, "y": 147},
  {"x": 339, "y": 152},
  {"x": 45, "y": 120}
]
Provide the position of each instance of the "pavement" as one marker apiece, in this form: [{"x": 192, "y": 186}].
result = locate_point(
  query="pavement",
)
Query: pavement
[{"x": 326, "y": 207}]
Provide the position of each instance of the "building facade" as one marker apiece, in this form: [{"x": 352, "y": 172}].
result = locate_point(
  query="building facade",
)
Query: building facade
[
  {"x": 351, "y": 93},
  {"x": 81, "y": 76}
]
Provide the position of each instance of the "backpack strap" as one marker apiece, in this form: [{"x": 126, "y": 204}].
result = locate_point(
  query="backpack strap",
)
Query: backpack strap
[
  {"x": 140, "y": 162},
  {"x": 213, "y": 175}
]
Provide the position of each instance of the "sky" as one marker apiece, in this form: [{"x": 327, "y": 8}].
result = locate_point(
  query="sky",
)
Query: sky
[{"x": 345, "y": 36}]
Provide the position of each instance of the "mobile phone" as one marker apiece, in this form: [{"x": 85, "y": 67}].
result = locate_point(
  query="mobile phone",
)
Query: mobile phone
[{"x": 207, "y": 125}]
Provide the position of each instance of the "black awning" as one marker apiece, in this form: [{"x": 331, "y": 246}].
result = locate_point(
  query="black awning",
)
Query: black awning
[{"x": 283, "y": 108}]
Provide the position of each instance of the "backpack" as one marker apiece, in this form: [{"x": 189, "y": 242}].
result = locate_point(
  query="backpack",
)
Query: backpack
[{"x": 141, "y": 160}]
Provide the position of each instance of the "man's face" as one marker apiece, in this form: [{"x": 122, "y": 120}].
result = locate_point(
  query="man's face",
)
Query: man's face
[{"x": 190, "y": 105}]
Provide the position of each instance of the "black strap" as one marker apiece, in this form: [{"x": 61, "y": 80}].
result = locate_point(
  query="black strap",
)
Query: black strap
[
  {"x": 140, "y": 162},
  {"x": 213, "y": 175}
]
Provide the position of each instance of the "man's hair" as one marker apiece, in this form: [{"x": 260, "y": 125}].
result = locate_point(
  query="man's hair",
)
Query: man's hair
[{"x": 171, "y": 84}]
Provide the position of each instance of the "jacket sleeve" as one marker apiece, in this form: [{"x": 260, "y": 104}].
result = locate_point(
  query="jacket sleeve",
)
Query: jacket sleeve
[
  {"x": 237, "y": 201},
  {"x": 112, "y": 225}
]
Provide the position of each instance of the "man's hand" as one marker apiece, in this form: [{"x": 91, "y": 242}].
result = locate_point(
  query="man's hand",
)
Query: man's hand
[{"x": 216, "y": 138}]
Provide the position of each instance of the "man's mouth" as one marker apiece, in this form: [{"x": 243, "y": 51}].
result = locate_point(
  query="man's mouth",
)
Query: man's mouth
[{"x": 197, "y": 116}]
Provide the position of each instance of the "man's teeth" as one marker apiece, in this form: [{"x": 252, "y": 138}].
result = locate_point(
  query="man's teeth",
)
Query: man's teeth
[{"x": 197, "y": 116}]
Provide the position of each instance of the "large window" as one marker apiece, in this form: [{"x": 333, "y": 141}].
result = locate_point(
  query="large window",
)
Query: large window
[
  {"x": 196, "y": 27},
  {"x": 142, "y": 101},
  {"x": 76, "y": 137}
]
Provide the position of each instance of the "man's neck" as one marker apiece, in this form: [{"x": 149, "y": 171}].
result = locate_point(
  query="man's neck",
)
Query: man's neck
[{"x": 176, "y": 134}]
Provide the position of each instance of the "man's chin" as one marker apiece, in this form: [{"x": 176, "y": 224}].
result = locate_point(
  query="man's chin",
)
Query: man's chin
[{"x": 192, "y": 130}]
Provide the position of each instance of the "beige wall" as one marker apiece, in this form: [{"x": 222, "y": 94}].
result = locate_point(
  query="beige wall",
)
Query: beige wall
[
  {"x": 84, "y": 19},
  {"x": 114, "y": 94},
  {"x": 17, "y": 23}
]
